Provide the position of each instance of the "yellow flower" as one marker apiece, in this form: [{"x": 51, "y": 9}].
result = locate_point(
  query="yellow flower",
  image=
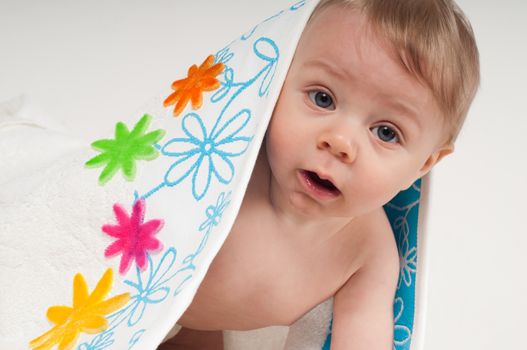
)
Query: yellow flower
[
  {"x": 192, "y": 87},
  {"x": 86, "y": 315}
]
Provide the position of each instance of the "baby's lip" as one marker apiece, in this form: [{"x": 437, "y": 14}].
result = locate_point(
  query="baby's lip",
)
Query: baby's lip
[{"x": 324, "y": 176}]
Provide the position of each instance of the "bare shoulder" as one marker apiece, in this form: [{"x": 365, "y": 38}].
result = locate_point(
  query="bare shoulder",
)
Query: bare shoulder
[
  {"x": 378, "y": 243},
  {"x": 378, "y": 261}
]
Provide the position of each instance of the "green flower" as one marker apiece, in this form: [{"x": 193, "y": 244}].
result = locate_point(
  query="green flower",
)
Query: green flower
[{"x": 127, "y": 147}]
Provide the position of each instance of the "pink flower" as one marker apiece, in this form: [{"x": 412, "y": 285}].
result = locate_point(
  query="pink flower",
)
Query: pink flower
[{"x": 134, "y": 238}]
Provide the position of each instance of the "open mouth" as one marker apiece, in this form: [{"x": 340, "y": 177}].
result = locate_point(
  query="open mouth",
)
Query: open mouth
[{"x": 319, "y": 185}]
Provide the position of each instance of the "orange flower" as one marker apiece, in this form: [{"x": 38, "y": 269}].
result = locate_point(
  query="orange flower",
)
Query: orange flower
[{"x": 192, "y": 87}]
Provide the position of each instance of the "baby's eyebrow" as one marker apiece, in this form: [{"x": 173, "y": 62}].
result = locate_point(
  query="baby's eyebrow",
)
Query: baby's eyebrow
[
  {"x": 405, "y": 110},
  {"x": 329, "y": 68}
]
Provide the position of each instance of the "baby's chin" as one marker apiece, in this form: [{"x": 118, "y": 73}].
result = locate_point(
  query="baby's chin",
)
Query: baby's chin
[{"x": 316, "y": 210}]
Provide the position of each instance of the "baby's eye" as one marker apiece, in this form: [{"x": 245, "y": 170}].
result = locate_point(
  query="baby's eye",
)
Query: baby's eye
[
  {"x": 321, "y": 99},
  {"x": 386, "y": 133}
]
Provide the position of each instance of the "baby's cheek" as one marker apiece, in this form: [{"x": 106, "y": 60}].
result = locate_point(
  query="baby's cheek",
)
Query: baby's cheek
[
  {"x": 380, "y": 189},
  {"x": 278, "y": 139}
]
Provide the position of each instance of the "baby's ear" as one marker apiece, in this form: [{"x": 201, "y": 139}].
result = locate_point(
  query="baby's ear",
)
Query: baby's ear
[{"x": 435, "y": 157}]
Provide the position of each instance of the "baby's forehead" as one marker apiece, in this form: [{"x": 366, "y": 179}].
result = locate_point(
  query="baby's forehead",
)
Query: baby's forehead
[{"x": 346, "y": 31}]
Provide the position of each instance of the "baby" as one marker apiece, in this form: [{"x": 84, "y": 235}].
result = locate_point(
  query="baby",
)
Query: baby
[{"x": 374, "y": 98}]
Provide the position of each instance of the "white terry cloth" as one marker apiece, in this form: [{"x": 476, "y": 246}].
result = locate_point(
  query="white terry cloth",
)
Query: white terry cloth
[
  {"x": 53, "y": 207},
  {"x": 308, "y": 333}
]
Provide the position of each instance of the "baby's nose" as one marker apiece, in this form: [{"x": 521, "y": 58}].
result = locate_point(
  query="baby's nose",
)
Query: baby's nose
[{"x": 338, "y": 145}]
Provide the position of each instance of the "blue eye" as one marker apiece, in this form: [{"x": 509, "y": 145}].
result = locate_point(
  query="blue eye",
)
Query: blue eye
[
  {"x": 321, "y": 99},
  {"x": 386, "y": 133}
]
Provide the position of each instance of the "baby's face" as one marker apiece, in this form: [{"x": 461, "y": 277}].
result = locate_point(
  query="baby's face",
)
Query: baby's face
[{"x": 350, "y": 113}]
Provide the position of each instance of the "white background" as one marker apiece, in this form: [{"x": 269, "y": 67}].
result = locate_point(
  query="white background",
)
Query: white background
[{"x": 82, "y": 62}]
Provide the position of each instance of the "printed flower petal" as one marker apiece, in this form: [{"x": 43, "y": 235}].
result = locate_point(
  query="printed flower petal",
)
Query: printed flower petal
[
  {"x": 136, "y": 313},
  {"x": 113, "y": 230},
  {"x": 193, "y": 127},
  {"x": 109, "y": 171},
  {"x": 80, "y": 291},
  {"x": 233, "y": 147},
  {"x": 47, "y": 340},
  {"x": 102, "y": 288},
  {"x": 138, "y": 212},
  {"x": 150, "y": 228},
  {"x": 99, "y": 160},
  {"x": 129, "y": 169},
  {"x": 180, "y": 147},
  {"x": 126, "y": 261},
  {"x": 182, "y": 168},
  {"x": 141, "y": 126},
  {"x": 140, "y": 259},
  {"x": 411, "y": 258},
  {"x": 174, "y": 97},
  {"x": 152, "y": 137},
  {"x": 121, "y": 131},
  {"x": 196, "y": 98},
  {"x": 192, "y": 87},
  {"x": 59, "y": 314},
  {"x": 121, "y": 215},
  {"x": 222, "y": 167},
  {"x": 134, "y": 236},
  {"x": 177, "y": 85},
  {"x": 398, "y": 308},
  {"x": 401, "y": 334},
  {"x": 103, "y": 145},
  {"x": 181, "y": 104},
  {"x": 152, "y": 244},
  {"x": 125, "y": 150},
  {"x": 233, "y": 125},
  {"x": 201, "y": 178},
  {"x": 112, "y": 304},
  {"x": 84, "y": 315},
  {"x": 192, "y": 70},
  {"x": 69, "y": 339},
  {"x": 94, "y": 324},
  {"x": 146, "y": 153},
  {"x": 114, "y": 248},
  {"x": 210, "y": 84},
  {"x": 155, "y": 296}
]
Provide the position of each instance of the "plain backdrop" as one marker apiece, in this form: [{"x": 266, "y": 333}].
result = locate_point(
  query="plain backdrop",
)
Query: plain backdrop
[{"x": 84, "y": 62}]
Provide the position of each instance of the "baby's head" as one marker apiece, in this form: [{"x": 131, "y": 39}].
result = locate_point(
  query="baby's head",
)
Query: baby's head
[
  {"x": 374, "y": 98},
  {"x": 434, "y": 42}
]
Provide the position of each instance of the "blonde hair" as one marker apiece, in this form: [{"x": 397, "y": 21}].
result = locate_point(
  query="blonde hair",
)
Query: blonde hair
[{"x": 435, "y": 43}]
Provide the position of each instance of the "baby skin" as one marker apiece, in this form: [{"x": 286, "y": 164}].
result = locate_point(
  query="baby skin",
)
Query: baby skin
[{"x": 350, "y": 130}]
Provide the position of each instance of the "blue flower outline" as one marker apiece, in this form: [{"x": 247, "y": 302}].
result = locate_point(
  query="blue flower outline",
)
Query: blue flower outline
[
  {"x": 99, "y": 342},
  {"x": 297, "y": 5},
  {"x": 247, "y": 35},
  {"x": 401, "y": 333},
  {"x": 407, "y": 254},
  {"x": 205, "y": 151},
  {"x": 190, "y": 156},
  {"x": 134, "y": 339},
  {"x": 213, "y": 214},
  {"x": 152, "y": 291}
]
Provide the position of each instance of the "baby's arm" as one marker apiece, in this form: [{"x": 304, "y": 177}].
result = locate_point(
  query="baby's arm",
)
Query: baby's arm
[{"x": 363, "y": 307}]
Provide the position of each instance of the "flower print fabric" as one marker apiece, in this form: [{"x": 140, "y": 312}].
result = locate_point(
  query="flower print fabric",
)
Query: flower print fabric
[
  {"x": 134, "y": 237},
  {"x": 86, "y": 314},
  {"x": 125, "y": 149},
  {"x": 192, "y": 87}
]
